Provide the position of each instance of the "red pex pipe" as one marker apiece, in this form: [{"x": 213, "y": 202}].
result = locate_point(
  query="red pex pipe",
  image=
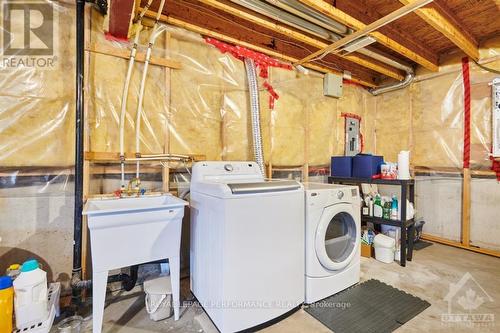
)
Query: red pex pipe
[{"x": 466, "y": 81}]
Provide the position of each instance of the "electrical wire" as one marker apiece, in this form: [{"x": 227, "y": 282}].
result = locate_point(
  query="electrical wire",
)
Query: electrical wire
[{"x": 486, "y": 68}]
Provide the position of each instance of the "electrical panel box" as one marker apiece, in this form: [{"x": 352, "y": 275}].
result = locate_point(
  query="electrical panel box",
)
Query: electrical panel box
[
  {"x": 332, "y": 85},
  {"x": 495, "y": 120},
  {"x": 352, "y": 137}
]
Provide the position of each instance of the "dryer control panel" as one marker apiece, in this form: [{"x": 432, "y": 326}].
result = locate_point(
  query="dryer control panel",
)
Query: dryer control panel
[{"x": 345, "y": 194}]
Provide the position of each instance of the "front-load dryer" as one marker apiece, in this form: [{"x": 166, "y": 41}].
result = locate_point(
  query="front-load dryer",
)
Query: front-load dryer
[{"x": 333, "y": 233}]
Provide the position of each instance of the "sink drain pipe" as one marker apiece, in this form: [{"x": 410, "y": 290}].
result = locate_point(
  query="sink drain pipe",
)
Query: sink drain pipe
[
  {"x": 253, "y": 90},
  {"x": 78, "y": 207}
]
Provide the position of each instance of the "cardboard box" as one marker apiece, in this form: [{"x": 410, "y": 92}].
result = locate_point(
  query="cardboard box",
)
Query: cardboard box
[{"x": 366, "y": 250}]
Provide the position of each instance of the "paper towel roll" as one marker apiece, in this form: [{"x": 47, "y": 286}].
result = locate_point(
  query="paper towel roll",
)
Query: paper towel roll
[{"x": 404, "y": 164}]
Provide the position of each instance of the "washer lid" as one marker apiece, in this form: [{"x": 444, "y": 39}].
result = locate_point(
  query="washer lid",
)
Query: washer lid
[
  {"x": 241, "y": 187},
  {"x": 337, "y": 236},
  {"x": 263, "y": 187}
]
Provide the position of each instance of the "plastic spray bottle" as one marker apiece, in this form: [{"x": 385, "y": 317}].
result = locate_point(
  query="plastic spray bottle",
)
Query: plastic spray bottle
[
  {"x": 377, "y": 206},
  {"x": 394, "y": 208}
]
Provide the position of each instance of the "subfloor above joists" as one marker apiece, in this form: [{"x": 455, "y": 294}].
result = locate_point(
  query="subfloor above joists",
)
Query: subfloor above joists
[
  {"x": 441, "y": 19},
  {"x": 338, "y": 15},
  {"x": 357, "y": 9}
]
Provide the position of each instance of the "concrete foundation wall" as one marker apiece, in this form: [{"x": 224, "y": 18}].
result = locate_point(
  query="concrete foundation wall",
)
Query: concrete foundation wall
[{"x": 37, "y": 222}]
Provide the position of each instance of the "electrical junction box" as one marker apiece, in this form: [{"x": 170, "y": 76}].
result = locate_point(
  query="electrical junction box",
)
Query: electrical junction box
[
  {"x": 332, "y": 85},
  {"x": 495, "y": 120},
  {"x": 352, "y": 138}
]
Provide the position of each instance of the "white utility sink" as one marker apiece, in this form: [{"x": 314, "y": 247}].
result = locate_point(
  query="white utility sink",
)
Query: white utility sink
[{"x": 131, "y": 231}]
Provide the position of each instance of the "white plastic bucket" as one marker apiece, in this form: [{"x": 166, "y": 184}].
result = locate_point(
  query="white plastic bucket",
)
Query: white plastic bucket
[
  {"x": 158, "y": 297},
  {"x": 385, "y": 247}
]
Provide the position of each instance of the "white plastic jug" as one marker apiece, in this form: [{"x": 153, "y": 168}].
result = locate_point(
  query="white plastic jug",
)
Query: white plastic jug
[{"x": 30, "y": 295}]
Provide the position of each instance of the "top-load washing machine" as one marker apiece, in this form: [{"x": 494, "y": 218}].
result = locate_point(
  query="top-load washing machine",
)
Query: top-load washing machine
[
  {"x": 247, "y": 244},
  {"x": 333, "y": 234}
]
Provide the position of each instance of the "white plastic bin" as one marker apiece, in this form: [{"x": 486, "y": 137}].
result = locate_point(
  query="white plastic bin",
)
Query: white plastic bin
[
  {"x": 385, "y": 247},
  {"x": 158, "y": 297}
]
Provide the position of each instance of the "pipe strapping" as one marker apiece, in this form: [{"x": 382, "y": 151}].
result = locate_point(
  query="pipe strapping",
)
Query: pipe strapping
[{"x": 255, "y": 112}]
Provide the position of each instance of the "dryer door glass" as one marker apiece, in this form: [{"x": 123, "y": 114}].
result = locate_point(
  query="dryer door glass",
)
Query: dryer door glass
[{"x": 340, "y": 237}]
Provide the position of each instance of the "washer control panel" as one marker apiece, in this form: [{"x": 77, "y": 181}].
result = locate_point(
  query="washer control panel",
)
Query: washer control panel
[{"x": 218, "y": 170}]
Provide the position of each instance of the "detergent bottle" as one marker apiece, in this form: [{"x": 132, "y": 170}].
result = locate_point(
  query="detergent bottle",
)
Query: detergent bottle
[
  {"x": 13, "y": 271},
  {"x": 394, "y": 208},
  {"x": 30, "y": 295},
  {"x": 6, "y": 303},
  {"x": 377, "y": 206}
]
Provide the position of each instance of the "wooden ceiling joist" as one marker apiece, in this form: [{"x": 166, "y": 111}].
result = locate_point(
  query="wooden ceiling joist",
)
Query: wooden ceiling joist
[
  {"x": 338, "y": 15},
  {"x": 442, "y": 19},
  {"x": 283, "y": 29},
  {"x": 228, "y": 39}
]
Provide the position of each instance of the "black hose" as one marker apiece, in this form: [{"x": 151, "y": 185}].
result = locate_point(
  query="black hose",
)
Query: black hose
[{"x": 77, "y": 216}]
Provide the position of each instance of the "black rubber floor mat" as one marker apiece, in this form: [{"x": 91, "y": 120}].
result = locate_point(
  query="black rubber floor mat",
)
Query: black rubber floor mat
[
  {"x": 420, "y": 245},
  {"x": 369, "y": 307}
]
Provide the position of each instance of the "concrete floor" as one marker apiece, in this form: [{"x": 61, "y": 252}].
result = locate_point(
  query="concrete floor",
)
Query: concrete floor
[{"x": 429, "y": 277}]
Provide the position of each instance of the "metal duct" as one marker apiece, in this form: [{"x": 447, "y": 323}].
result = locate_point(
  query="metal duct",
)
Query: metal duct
[
  {"x": 297, "y": 8},
  {"x": 315, "y": 23},
  {"x": 287, "y": 18},
  {"x": 386, "y": 60},
  {"x": 255, "y": 111},
  {"x": 391, "y": 87}
]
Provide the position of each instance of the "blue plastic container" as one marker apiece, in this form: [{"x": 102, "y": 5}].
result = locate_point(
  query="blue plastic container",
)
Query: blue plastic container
[
  {"x": 366, "y": 166},
  {"x": 341, "y": 166}
]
